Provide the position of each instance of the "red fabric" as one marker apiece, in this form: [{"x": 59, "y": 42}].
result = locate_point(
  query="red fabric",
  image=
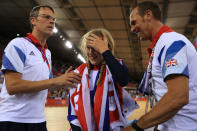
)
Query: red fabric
[
  {"x": 115, "y": 112},
  {"x": 98, "y": 98},
  {"x": 131, "y": 85},
  {"x": 80, "y": 113},
  {"x": 56, "y": 103},
  {"x": 157, "y": 36},
  {"x": 96, "y": 67},
  {"x": 37, "y": 43},
  {"x": 81, "y": 68},
  {"x": 81, "y": 119}
]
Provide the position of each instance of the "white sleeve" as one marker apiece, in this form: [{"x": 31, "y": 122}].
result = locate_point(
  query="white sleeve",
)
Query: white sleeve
[
  {"x": 14, "y": 56},
  {"x": 175, "y": 60}
]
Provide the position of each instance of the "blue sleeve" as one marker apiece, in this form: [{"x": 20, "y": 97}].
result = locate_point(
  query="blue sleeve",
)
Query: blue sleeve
[{"x": 119, "y": 72}]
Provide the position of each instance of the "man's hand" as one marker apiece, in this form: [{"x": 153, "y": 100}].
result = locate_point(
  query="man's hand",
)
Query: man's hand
[
  {"x": 99, "y": 44},
  {"x": 129, "y": 128},
  {"x": 69, "y": 78}
]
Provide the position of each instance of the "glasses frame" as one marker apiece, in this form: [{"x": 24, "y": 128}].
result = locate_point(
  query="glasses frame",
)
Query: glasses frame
[{"x": 48, "y": 17}]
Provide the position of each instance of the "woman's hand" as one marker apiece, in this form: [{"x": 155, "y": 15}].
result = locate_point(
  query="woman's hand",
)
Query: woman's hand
[{"x": 99, "y": 44}]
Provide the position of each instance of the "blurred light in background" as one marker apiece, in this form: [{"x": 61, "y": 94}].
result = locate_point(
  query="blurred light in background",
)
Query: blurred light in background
[
  {"x": 80, "y": 57},
  {"x": 55, "y": 30},
  {"x": 68, "y": 44}
]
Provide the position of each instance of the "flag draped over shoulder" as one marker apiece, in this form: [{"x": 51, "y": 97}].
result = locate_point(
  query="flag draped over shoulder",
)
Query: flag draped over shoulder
[{"x": 112, "y": 104}]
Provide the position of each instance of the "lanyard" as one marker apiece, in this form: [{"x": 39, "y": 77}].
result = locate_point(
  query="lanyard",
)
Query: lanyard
[
  {"x": 151, "y": 49},
  {"x": 42, "y": 52}
]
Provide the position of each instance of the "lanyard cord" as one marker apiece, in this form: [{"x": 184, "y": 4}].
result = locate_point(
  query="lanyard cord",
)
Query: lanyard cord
[
  {"x": 151, "y": 97},
  {"x": 42, "y": 52}
]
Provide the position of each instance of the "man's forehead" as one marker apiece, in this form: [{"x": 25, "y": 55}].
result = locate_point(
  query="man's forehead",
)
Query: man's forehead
[
  {"x": 45, "y": 9},
  {"x": 133, "y": 12}
]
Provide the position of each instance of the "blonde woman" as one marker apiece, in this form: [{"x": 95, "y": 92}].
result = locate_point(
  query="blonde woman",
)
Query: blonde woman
[{"x": 99, "y": 102}]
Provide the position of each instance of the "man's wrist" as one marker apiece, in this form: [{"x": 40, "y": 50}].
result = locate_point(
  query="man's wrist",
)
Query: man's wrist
[{"x": 135, "y": 126}]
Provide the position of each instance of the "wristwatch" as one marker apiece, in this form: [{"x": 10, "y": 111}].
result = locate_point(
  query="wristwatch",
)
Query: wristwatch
[{"x": 135, "y": 126}]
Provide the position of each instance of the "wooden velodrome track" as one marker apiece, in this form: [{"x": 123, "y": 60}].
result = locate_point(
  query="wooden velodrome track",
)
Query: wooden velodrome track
[{"x": 57, "y": 117}]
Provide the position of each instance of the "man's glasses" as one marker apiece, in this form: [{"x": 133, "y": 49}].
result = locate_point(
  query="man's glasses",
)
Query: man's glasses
[{"x": 48, "y": 17}]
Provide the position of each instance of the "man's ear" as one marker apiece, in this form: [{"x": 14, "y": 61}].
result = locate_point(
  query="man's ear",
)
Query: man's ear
[
  {"x": 32, "y": 20},
  {"x": 149, "y": 15}
]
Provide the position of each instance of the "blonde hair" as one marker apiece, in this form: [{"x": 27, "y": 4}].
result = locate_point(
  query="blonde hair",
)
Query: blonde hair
[{"x": 100, "y": 32}]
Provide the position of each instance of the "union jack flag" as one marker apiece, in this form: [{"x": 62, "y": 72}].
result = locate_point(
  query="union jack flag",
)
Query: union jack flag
[{"x": 171, "y": 62}]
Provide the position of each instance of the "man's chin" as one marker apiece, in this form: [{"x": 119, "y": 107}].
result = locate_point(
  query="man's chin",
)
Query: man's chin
[
  {"x": 51, "y": 33},
  {"x": 141, "y": 37}
]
